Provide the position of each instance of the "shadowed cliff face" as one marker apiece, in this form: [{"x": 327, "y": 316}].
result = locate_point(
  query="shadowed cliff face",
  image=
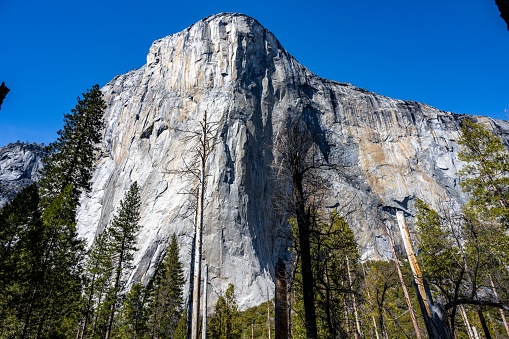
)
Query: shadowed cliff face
[{"x": 233, "y": 68}]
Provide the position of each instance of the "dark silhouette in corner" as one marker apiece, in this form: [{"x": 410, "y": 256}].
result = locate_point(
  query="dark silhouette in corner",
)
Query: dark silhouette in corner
[
  {"x": 503, "y": 7},
  {"x": 3, "y": 93}
]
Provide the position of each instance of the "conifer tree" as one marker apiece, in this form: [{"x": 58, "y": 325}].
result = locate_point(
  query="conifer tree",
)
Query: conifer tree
[
  {"x": 122, "y": 232},
  {"x": 133, "y": 316},
  {"x": 20, "y": 224},
  {"x": 49, "y": 269},
  {"x": 181, "y": 330},
  {"x": 166, "y": 304},
  {"x": 333, "y": 251},
  {"x": 486, "y": 175},
  {"x": 98, "y": 272},
  {"x": 225, "y": 323},
  {"x": 72, "y": 155}
]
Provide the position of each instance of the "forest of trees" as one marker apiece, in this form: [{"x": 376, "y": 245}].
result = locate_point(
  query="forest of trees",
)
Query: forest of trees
[{"x": 454, "y": 285}]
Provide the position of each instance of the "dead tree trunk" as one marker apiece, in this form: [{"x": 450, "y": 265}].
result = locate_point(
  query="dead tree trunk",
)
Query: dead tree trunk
[
  {"x": 433, "y": 313},
  {"x": 203, "y": 154},
  {"x": 403, "y": 285}
]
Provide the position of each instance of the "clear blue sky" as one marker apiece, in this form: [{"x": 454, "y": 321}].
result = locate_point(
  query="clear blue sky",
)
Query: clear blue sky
[{"x": 451, "y": 54}]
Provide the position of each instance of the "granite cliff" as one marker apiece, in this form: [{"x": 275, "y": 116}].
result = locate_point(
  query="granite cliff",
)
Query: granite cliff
[
  {"x": 237, "y": 71},
  {"x": 19, "y": 167}
]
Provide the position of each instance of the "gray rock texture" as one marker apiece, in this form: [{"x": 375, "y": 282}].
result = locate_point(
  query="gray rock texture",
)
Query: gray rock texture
[
  {"x": 237, "y": 71},
  {"x": 19, "y": 166}
]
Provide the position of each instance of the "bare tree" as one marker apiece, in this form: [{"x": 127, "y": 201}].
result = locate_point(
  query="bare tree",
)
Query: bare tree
[
  {"x": 300, "y": 165},
  {"x": 203, "y": 141}
]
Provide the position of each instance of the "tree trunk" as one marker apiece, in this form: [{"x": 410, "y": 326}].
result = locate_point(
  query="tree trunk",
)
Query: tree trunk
[
  {"x": 307, "y": 271},
  {"x": 502, "y": 315},
  {"x": 281, "y": 304},
  {"x": 467, "y": 323},
  {"x": 358, "y": 332},
  {"x": 403, "y": 286},
  {"x": 483, "y": 323},
  {"x": 195, "y": 324},
  {"x": 204, "y": 316},
  {"x": 115, "y": 290}
]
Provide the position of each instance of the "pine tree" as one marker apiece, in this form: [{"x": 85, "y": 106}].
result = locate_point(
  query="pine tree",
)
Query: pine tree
[
  {"x": 98, "y": 273},
  {"x": 49, "y": 254},
  {"x": 334, "y": 256},
  {"x": 122, "y": 232},
  {"x": 486, "y": 175},
  {"x": 166, "y": 304},
  {"x": 133, "y": 315},
  {"x": 224, "y": 324},
  {"x": 20, "y": 225},
  {"x": 72, "y": 155},
  {"x": 181, "y": 330}
]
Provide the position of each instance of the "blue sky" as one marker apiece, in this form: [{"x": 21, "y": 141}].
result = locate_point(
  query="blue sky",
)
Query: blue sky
[{"x": 453, "y": 55}]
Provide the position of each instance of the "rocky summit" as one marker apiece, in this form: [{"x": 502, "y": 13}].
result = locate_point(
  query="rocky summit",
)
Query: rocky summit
[{"x": 236, "y": 70}]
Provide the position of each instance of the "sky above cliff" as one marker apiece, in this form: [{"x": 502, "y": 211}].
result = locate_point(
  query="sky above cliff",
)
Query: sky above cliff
[{"x": 451, "y": 54}]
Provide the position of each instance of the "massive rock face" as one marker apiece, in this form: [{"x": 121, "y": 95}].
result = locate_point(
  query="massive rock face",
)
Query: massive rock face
[
  {"x": 234, "y": 69},
  {"x": 19, "y": 166}
]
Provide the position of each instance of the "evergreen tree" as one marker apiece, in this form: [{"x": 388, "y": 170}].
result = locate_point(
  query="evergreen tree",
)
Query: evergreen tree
[
  {"x": 486, "y": 175},
  {"x": 98, "y": 273},
  {"x": 48, "y": 255},
  {"x": 460, "y": 256},
  {"x": 224, "y": 324},
  {"x": 20, "y": 225},
  {"x": 334, "y": 259},
  {"x": 133, "y": 316},
  {"x": 166, "y": 304},
  {"x": 72, "y": 155},
  {"x": 181, "y": 330},
  {"x": 122, "y": 242}
]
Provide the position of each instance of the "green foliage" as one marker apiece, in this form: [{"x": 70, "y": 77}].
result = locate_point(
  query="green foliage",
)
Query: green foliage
[
  {"x": 486, "y": 175},
  {"x": 181, "y": 330},
  {"x": 461, "y": 255},
  {"x": 20, "y": 225},
  {"x": 384, "y": 309},
  {"x": 122, "y": 236},
  {"x": 334, "y": 251},
  {"x": 254, "y": 321},
  {"x": 72, "y": 155},
  {"x": 225, "y": 323},
  {"x": 438, "y": 251},
  {"x": 166, "y": 299},
  {"x": 98, "y": 275},
  {"x": 41, "y": 255},
  {"x": 133, "y": 315}
]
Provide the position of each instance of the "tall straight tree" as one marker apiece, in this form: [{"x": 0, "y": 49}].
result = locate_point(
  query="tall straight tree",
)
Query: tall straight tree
[
  {"x": 122, "y": 232},
  {"x": 71, "y": 157},
  {"x": 98, "y": 272},
  {"x": 166, "y": 301},
  {"x": 203, "y": 141}
]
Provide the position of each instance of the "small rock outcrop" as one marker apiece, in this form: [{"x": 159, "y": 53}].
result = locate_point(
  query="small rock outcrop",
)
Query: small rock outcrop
[{"x": 19, "y": 166}]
